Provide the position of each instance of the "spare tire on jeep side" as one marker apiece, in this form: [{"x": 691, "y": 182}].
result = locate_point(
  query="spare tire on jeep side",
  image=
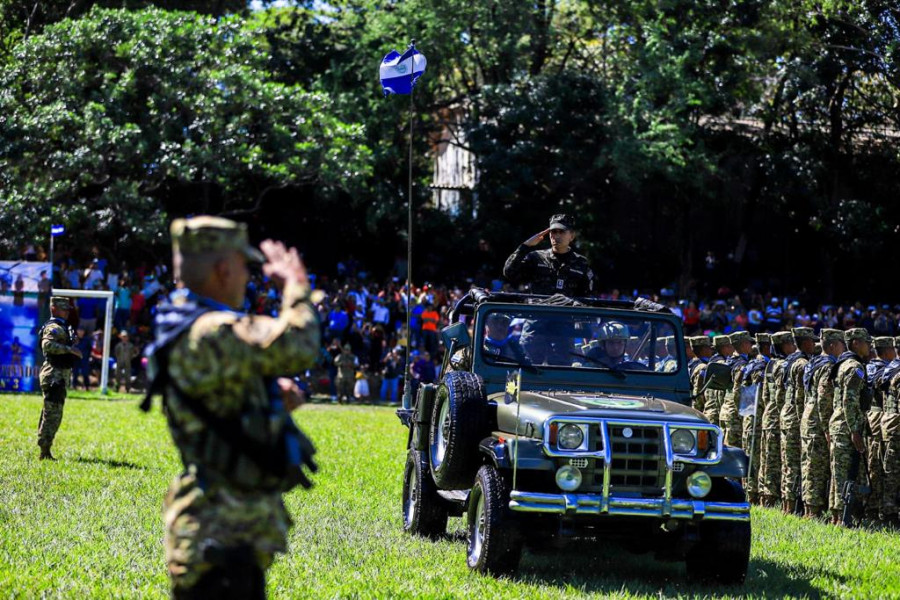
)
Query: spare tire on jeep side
[{"x": 459, "y": 422}]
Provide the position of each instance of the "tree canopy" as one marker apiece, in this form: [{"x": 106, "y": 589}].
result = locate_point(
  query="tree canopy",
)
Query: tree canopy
[
  {"x": 762, "y": 130},
  {"x": 114, "y": 118}
]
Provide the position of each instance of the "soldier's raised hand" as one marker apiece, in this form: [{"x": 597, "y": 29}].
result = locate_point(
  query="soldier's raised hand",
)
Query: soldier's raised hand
[
  {"x": 537, "y": 238},
  {"x": 282, "y": 265}
]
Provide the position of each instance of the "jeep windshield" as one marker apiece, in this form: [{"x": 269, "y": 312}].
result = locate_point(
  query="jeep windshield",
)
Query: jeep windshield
[{"x": 579, "y": 339}]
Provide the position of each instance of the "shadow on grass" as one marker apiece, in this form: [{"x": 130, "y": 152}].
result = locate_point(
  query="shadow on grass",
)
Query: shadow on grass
[
  {"x": 114, "y": 464},
  {"x": 91, "y": 396},
  {"x": 607, "y": 568}
]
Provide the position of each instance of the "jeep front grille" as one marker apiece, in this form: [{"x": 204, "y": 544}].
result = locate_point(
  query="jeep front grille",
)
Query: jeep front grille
[{"x": 637, "y": 458}]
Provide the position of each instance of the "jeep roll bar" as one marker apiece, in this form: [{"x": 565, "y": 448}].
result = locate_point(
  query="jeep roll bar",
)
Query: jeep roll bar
[{"x": 477, "y": 296}]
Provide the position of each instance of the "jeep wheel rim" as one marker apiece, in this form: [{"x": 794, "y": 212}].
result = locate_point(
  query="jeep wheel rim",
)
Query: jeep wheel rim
[
  {"x": 477, "y": 541},
  {"x": 442, "y": 433},
  {"x": 409, "y": 502}
]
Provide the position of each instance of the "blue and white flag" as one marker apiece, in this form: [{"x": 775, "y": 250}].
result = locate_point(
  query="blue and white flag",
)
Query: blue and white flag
[
  {"x": 56, "y": 230},
  {"x": 399, "y": 73}
]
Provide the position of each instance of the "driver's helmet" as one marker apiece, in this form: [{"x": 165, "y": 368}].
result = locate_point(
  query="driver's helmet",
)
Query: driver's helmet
[
  {"x": 614, "y": 330},
  {"x": 499, "y": 319}
]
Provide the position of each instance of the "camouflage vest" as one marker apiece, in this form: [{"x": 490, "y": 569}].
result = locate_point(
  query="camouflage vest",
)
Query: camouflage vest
[{"x": 259, "y": 449}]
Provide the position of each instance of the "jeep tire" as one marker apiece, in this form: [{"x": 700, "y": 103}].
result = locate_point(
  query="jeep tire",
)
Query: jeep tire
[
  {"x": 458, "y": 424},
  {"x": 424, "y": 511},
  {"x": 722, "y": 554},
  {"x": 494, "y": 542}
]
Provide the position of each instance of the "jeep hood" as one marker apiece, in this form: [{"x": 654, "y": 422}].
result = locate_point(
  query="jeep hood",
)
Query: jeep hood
[{"x": 536, "y": 406}]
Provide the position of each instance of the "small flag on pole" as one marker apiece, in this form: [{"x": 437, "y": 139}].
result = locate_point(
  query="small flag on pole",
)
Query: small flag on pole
[
  {"x": 399, "y": 73},
  {"x": 513, "y": 383},
  {"x": 57, "y": 230}
]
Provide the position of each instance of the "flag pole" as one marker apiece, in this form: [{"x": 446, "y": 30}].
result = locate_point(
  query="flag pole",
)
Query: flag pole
[
  {"x": 518, "y": 405},
  {"x": 407, "y": 392},
  {"x": 51, "y": 257}
]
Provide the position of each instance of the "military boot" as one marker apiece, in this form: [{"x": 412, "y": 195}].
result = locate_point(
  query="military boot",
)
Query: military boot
[{"x": 45, "y": 454}]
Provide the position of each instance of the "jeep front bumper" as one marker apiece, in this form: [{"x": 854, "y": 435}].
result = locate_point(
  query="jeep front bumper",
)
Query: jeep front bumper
[{"x": 596, "y": 505}]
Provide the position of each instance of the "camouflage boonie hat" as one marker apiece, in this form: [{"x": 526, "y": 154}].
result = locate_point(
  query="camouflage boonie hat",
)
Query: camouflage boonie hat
[
  {"x": 782, "y": 337},
  {"x": 721, "y": 340},
  {"x": 564, "y": 222},
  {"x": 832, "y": 335},
  {"x": 857, "y": 333},
  {"x": 884, "y": 342},
  {"x": 740, "y": 336},
  {"x": 804, "y": 333},
  {"x": 60, "y": 302},
  {"x": 201, "y": 235},
  {"x": 699, "y": 341},
  {"x": 763, "y": 338}
]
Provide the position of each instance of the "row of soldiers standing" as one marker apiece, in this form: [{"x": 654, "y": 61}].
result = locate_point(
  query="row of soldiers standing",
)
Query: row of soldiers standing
[{"x": 826, "y": 412}]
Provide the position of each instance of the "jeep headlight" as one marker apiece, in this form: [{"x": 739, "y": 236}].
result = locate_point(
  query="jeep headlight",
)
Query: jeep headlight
[
  {"x": 683, "y": 441},
  {"x": 568, "y": 478},
  {"x": 570, "y": 437}
]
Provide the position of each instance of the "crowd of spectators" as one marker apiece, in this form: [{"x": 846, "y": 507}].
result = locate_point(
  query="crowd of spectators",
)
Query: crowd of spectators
[{"x": 369, "y": 318}]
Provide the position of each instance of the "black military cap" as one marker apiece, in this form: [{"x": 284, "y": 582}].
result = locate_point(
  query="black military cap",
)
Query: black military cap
[{"x": 562, "y": 222}]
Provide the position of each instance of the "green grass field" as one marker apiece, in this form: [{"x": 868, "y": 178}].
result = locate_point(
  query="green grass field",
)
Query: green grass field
[{"x": 89, "y": 525}]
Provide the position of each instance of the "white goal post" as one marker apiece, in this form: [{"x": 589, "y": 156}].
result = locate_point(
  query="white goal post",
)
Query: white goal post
[{"x": 107, "y": 327}]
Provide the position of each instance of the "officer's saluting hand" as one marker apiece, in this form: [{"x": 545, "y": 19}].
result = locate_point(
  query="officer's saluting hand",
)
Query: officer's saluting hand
[{"x": 558, "y": 270}]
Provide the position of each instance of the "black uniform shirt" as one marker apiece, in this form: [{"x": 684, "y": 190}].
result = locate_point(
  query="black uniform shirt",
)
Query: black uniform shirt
[{"x": 550, "y": 273}]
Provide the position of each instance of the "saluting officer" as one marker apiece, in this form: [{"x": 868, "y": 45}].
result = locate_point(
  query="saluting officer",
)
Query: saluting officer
[
  {"x": 557, "y": 270},
  {"x": 225, "y": 377}
]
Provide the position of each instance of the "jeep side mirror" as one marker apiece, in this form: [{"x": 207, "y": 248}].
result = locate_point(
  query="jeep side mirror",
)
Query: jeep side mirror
[
  {"x": 718, "y": 377},
  {"x": 458, "y": 332}
]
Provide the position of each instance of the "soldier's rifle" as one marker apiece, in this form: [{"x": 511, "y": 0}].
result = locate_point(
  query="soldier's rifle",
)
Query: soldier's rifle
[{"x": 850, "y": 489}]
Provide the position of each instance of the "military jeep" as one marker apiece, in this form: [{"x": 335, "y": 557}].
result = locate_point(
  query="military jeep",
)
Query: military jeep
[{"x": 576, "y": 425}]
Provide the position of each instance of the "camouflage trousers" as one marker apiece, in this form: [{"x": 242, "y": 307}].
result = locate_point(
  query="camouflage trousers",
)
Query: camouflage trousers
[
  {"x": 211, "y": 526},
  {"x": 815, "y": 468},
  {"x": 790, "y": 462},
  {"x": 713, "y": 406},
  {"x": 344, "y": 387},
  {"x": 123, "y": 376},
  {"x": 52, "y": 413},
  {"x": 730, "y": 419},
  {"x": 770, "y": 463},
  {"x": 890, "y": 429},
  {"x": 874, "y": 463},
  {"x": 842, "y": 451},
  {"x": 753, "y": 451}
]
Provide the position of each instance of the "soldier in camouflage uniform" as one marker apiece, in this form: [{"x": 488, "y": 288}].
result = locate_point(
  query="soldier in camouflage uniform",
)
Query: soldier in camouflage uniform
[
  {"x": 770, "y": 450},
  {"x": 58, "y": 344},
  {"x": 225, "y": 380},
  {"x": 729, "y": 416},
  {"x": 754, "y": 373},
  {"x": 665, "y": 350},
  {"x": 890, "y": 431},
  {"x": 714, "y": 398},
  {"x": 346, "y": 364},
  {"x": 702, "y": 348},
  {"x": 884, "y": 353},
  {"x": 557, "y": 270},
  {"x": 815, "y": 468},
  {"x": 848, "y": 422},
  {"x": 124, "y": 352},
  {"x": 791, "y": 412}
]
